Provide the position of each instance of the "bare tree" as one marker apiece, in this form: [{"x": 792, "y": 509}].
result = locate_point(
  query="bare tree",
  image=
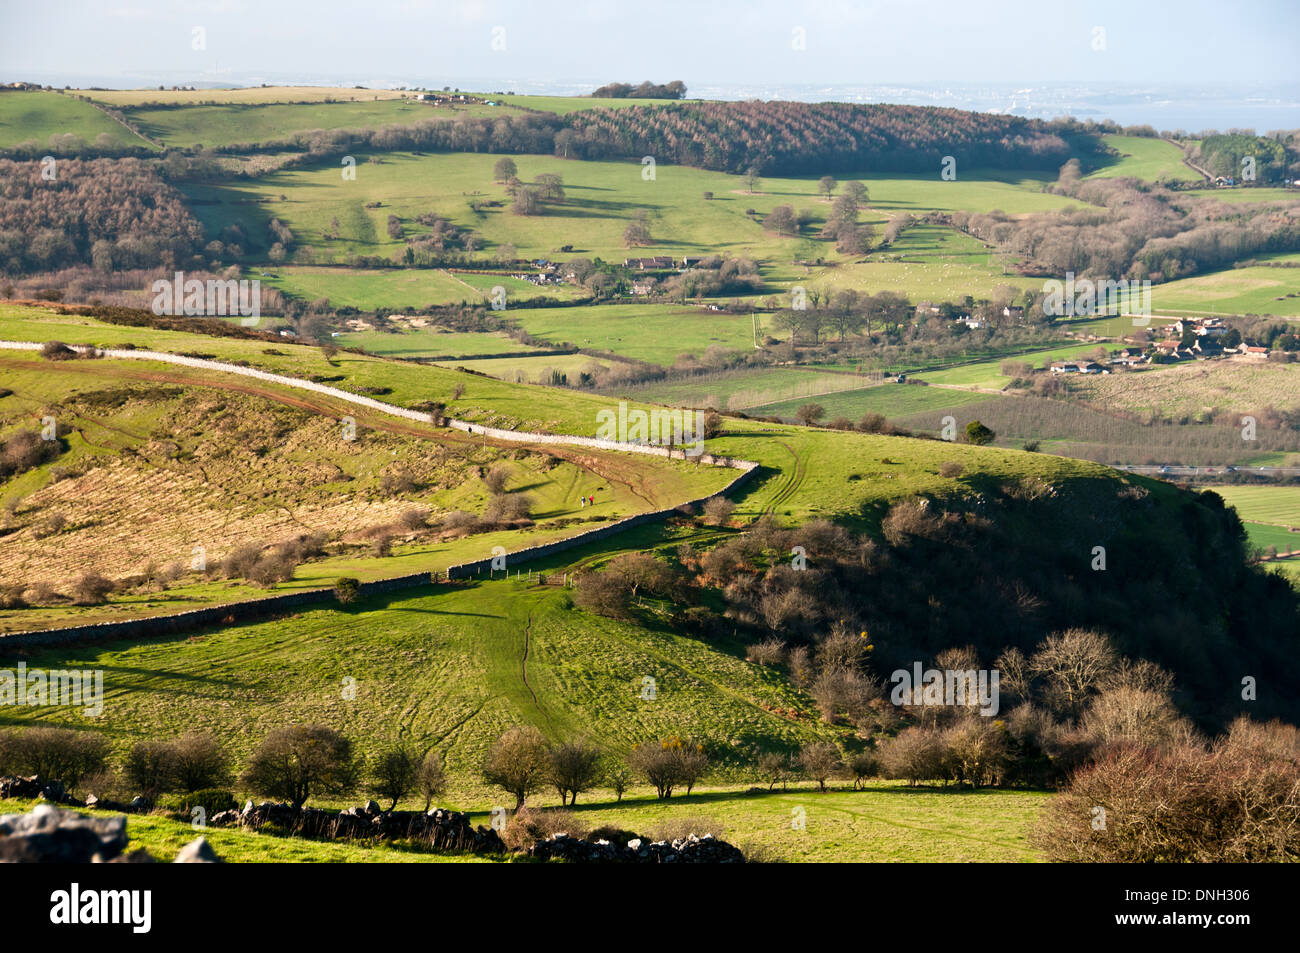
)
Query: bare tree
[
  {"x": 431, "y": 778},
  {"x": 393, "y": 775},
  {"x": 1073, "y": 664},
  {"x": 517, "y": 762},
  {"x": 819, "y": 761},
  {"x": 298, "y": 762},
  {"x": 574, "y": 768}
]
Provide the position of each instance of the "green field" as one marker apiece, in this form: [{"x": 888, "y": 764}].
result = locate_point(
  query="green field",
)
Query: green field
[
  {"x": 424, "y": 342},
  {"x": 227, "y": 125},
  {"x": 38, "y": 115},
  {"x": 534, "y": 370},
  {"x": 1238, "y": 196},
  {"x": 602, "y": 197},
  {"x": 645, "y": 332},
  {"x": 927, "y": 263},
  {"x": 1257, "y": 289},
  {"x": 743, "y": 389},
  {"x": 884, "y": 823},
  {"x": 1264, "y": 504},
  {"x": 452, "y": 669},
  {"x": 1152, "y": 160},
  {"x": 1269, "y": 512},
  {"x": 987, "y": 375},
  {"x": 892, "y": 400},
  {"x": 126, "y": 98},
  {"x": 785, "y": 449},
  {"x": 403, "y": 288}
]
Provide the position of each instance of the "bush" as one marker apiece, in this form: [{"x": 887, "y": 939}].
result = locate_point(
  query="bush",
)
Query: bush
[
  {"x": 414, "y": 519},
  {"x": 914, "y": 755},
  {"x": 669, "y": 763},
  {"x": 978, "y": 434},
  {"x": 497, "y": 478},
  {"x": 950, "y": 469},
  {"x": 862, "y": 765},
  {"x": 527, "y": 827},
  {"x": 819, "y": 761},
  {"x": 56, "y": 754},
  {"x": 396, "y": 478},
  {"x": 212, "y": 800},
  {"x": 199, "y": 762},
  {"x": 602, "y": 593},
  {"x": 23, "y": 450},
  {"x": 1237, "y": 802},
  {"x": 239, "y": 562},
  {"x": 148, "y": 768},
  {"x": 509, "y": 508},
  {"x": 767, "y": 654},
  {"x": 430, "y": 778},
  {"x": 91, "y": 589},
  {"x": 619, "y": 778},
  {"x": 346, "y": 590},
  {"x": 295, "y": 763},
  {"x": 57, "y": 351},
  {"x": 718, "y": 510}
]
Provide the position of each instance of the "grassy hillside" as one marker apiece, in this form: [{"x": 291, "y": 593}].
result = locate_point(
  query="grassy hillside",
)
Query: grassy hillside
[
  {"x": 368, "y": 289},
  {"x": 1152, "y": 160},
  {"x": 38, "y": 115},
  {"x": 450, "y": 670},
  {"x": 926, "y": 263},
  {"x": 602, "y": 197},
  {"x": 251, "y": 94},
  {"x": 225, "y": 125}
]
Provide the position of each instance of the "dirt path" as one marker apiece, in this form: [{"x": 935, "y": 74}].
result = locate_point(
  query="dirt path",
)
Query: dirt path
[{"x": 523, "y": 666}]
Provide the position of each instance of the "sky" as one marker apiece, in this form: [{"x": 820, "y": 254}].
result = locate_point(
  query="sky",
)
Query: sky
[{"x": 119, "y": 42}]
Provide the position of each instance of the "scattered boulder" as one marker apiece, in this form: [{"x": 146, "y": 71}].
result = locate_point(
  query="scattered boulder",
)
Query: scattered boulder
[
  {"x": 442, "y": 830},
  {"x": 689, "y": 850},
  {"x": 197, "y": 851},
  {"x": 16, "y": 786},
  {"x": 47, "y": 834},
  {"x": 51, "y": 835}
]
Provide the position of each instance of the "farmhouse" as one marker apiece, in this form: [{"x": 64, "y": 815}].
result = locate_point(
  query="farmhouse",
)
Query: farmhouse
[
  {"x": 1077, "y": 367},
  {"x": 657, "y": 262}
]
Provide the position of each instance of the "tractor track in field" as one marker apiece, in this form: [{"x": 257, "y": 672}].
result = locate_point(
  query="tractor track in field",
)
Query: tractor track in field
[
  {"x": 792, "y": 485},
  {"x": 523, "y": 667}
]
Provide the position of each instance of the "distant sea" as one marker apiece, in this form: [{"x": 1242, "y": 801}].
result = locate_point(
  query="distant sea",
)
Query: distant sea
[{"x": 1189, "y": 108}]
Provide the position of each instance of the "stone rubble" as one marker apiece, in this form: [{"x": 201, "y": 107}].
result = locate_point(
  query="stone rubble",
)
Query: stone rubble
[{"x": 50, "y": 835}]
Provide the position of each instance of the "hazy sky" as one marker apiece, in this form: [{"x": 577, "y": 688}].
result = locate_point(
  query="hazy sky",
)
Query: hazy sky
[{"x": 701, "y": 41}]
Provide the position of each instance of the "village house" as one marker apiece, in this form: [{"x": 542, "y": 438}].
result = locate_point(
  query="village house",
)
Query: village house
[{"x": 1077, "y": 367}]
